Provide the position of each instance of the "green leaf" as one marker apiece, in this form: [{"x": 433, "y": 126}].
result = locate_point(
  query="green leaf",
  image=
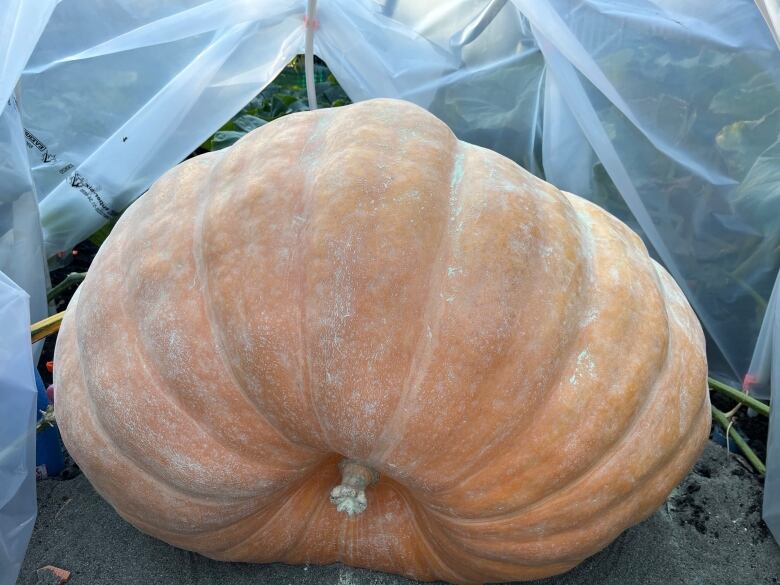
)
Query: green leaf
[
  {"x": 744, "y": 100},
  {"x": 741, "y": 143},
  {"x": 100, "y": 236},
  {"x": 278, "y": 107},
  {"x": 285, "y": 95},
  {"x": 223, "y": 139},
  {"x": 288, "y": 100},
  {"x": 247, "y": 123}
]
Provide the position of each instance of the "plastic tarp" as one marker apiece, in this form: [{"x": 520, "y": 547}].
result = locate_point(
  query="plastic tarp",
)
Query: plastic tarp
[
  {"x": 17, "y": 435},
  {"x": 23, "y": 282},
  {"x": 22, "y": 256},
  {"x": 665, "y": 114},
  {"x": 770, "y": 10},
  {"x": 21, "y": 243},
  {"x": 766, "y": 359}
]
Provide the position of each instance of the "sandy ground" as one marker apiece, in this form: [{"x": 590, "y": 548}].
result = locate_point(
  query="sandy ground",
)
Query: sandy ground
[{"x": 709, "y": 532}]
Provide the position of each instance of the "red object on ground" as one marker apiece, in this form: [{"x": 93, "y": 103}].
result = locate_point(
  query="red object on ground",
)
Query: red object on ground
[
  {"x": 50, "y": 366},
  {"x": 62, "y": 575}
]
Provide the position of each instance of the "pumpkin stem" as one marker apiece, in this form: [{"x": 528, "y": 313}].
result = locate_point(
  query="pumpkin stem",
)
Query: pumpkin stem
[{"x": 350, "y": 495}]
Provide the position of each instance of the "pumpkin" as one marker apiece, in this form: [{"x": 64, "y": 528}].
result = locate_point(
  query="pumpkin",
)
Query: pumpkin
[{"x": 351, "y": 337}]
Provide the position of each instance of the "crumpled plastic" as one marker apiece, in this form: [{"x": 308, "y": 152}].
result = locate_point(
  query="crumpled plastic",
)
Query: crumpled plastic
[{"x": 17, "y": 430}]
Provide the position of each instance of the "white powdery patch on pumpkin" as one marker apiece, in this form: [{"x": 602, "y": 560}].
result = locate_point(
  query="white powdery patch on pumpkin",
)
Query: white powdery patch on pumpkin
[
  {"x": 455, "y": 179},
  {"x": 589, "y": 317},
  {"x": 585, "y": 366}
]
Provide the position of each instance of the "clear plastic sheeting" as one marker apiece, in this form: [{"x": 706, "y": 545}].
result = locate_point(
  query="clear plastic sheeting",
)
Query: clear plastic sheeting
[
  {"x": 21, "y": 244},
  {"x": 17, "y": 430},
  {"x": 766, "y": 359},
  {"x": 21, "y": 25},
  {"x": 139, "y": 85},
  {"x": 770, "y": 10},
  {"x": 665, "y": 114}
]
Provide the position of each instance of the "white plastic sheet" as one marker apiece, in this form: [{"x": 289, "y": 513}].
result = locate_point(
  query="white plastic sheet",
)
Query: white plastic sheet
[
  {"x": 770, "y": 10},
  {"x": 21, "y": 245},
  {"x": 766, "y": 360},
  {"x": 17, "y": 435},
  {"x": 21, "y": 25},
  {"x": 139, "y": 86},
  {"x": 666, "y": 114},
  {"x": 23, "y": 262}
]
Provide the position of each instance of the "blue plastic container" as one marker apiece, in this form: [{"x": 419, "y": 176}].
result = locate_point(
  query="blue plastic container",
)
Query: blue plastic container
[{"x": 48, "y": 446}]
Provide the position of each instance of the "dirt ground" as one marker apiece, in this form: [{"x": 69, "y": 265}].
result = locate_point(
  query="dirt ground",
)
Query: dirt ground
[{"x": 709, "y": 532}]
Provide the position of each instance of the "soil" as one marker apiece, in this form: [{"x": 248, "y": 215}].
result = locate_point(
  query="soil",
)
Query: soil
[{"x": 709, "y": 532}]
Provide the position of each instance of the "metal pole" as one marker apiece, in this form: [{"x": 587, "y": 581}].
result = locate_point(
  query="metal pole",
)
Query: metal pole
[{"x": 308, "y": 58}]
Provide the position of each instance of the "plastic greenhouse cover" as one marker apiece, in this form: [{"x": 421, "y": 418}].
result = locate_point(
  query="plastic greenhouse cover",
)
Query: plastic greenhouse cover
[
  {"x": 22, "y": 256},
  {"x": 665, "y": 114},
  {"x": 17, "y": 437},
  {"x": 766, "y": 359},
  {"x": 770, "y": 10}
]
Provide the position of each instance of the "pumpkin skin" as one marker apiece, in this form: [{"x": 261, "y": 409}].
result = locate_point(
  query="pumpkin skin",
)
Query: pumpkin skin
[{"x": 357, "y": 284}]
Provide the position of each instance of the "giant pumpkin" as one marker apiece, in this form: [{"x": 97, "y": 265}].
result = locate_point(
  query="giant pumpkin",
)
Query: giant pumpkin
[{"x": 351, "y": 337}]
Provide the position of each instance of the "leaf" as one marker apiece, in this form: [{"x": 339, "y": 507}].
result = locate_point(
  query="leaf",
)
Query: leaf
[
  {"x": 741, "y": 143},
  {"x": 225, "y": 138},
  {"x": 100, "y": 236},
  {"x": 745, "y": 100},
  {"x": 247, "y": 122},
  {"x": 298, "y": 106},
  {"x": 287, "y": 100},
  {"x": 762, "y": 183},
  {"x": 284, "y": 95},
  {"x": 278, "y": 107}
]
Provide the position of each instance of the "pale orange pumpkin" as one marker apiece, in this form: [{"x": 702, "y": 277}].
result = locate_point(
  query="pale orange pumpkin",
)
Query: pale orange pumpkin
[{"x": 351, "y": 337}]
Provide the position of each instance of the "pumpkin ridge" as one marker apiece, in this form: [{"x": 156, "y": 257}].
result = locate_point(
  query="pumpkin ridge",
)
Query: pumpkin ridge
[
  {"x": 319, "y": 503},
  {"x": 514, "y": 515},
  {"x": 565, "y": 489},
  {"x": 150, "y": 366},
  {"x": 691, "y": 442},
  {"x": 202, "y": 541},
  {"x": 580, "y": 208},
  {"x": 453, "y": 543},
  {"x": 169, "y": 314},
  {"x": 552, "y": 381},
  {"x": 443, "y": 252},
  {"x": 123, "y": 309},
  {"x": 303, "y": 241},
  {"x": 100, "y": 428},
  {"x": 434, "y": 558},
  {"x": 178, "y": 538},
  {"x": 109, "y": 458},
  {"x": 610, "y": 451},
  {"x": 219, "y": 344},
  {"x": 627, "y": 506},
  {"x": 98, "y": 423},
  {"x": 225, "y": 553}
]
